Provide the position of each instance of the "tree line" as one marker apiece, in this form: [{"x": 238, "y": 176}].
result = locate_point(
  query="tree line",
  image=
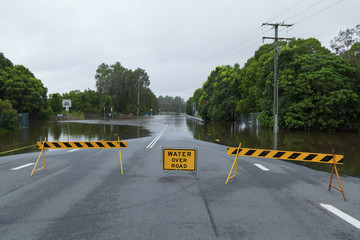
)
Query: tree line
[
  {"x": 117, "y": 91},
  {"x": 318, "y": 89},
  {"x": 171, "y": 104}
]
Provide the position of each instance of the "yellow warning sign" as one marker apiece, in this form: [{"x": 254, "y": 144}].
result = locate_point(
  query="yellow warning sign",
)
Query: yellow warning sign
[{"x": 179, "y": 159}]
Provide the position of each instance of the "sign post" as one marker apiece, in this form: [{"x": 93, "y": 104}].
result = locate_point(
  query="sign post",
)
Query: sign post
[
  {"x": 179, "y": 159},
  {"x": 66, "y": 104}
]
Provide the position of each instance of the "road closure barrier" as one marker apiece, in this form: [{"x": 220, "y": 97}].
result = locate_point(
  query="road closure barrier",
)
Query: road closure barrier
[
  {"x": 78, "y": 145},
  {"x": 332, "y": 158}
]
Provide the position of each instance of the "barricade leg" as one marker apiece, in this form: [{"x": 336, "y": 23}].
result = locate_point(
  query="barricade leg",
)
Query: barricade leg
[
  {"x": 37, "y": 161},
  {"x": 121, "y": 166},
  {"x": 334, "y": 169},
  {"x": 235, "y": 163}
]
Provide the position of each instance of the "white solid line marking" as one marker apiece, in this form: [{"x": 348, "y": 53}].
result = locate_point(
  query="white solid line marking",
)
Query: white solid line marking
[
  {"x": 73, "y": 150},
  {"x": 22, "y": 166},
  {"x": 344, "y": 216},
  {"x": 152, "y": 143},
  {"x": 261, "y": 167}
]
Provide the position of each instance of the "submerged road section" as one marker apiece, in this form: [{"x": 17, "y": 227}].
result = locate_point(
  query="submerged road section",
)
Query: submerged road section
[{"x": 82, "y": 195}]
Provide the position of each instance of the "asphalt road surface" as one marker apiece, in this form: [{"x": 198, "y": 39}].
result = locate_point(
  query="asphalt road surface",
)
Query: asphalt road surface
[{"x": 82, "y": 195}]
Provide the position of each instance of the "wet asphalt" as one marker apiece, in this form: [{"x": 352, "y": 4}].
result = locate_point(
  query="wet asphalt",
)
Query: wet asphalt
[{"x": 82, "y": 195}]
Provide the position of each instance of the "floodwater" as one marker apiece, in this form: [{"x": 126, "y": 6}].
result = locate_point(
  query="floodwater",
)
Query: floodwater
[
  {"x": 231, "y": 134},
  {"x": 228, "y": 134}
]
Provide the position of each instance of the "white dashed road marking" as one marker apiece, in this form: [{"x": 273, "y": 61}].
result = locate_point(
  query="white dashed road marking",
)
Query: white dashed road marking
[
  {"x": 22, "y": 166},
  {"x": 341, "y": 214},
  {"x": 261, "y": 167}
]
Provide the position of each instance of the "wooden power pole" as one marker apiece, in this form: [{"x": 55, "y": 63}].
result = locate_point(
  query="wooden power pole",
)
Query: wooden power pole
[{"x": 276, "y": 58}]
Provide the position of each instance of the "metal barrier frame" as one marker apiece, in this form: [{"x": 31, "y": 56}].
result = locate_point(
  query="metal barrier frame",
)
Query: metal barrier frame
[
  {"x": 43, "y": 154},
  {"x": 333, "y": 170}
]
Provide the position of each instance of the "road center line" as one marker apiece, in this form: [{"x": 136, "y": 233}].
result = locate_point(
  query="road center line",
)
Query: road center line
[
  {"x": 22, "y": 166},
  {"x": 341, "y": 214},
  {"x": 261, "y": 167},
  {"x": 152, "y": 143}
]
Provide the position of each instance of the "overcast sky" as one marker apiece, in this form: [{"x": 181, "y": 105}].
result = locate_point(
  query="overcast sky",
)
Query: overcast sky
[{"x": 178, "y": 43}]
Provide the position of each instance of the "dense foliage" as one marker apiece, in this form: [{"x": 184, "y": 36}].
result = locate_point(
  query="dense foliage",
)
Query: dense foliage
[
  {"x": 122, "y": 86},
  {"x": 218, "y": 99},
  {"x": 117, "y": 92},
  {"x": 20, "y": 87},
  {"x": 171, "y": 104},
  {"x": 317, "y": 89},
  {"x": 8, "y": 116}
]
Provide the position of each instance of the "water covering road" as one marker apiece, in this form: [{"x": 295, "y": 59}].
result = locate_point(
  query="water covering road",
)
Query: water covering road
[{"x": 228, "y": 134}]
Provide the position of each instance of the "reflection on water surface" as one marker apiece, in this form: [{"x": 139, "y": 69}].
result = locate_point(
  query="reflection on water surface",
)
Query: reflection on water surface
[
  {"x": 68, "y": 131},
  {"x": 231, "y": 134},
  {"x": 228, "y": 134}
]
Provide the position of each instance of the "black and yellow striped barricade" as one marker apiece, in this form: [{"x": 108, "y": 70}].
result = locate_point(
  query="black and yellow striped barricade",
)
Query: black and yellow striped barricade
[
  {"x": 78, "y": 145},
  {"x": 288, "y": 155}
]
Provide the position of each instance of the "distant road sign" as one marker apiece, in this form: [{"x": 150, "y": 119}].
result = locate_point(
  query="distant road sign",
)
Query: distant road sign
[
  {"x": 66, "y": 103},
  {"x": 179, "y": 159}
]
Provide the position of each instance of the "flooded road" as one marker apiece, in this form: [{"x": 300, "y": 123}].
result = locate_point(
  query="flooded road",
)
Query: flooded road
[{"x": 228, "y": 134}]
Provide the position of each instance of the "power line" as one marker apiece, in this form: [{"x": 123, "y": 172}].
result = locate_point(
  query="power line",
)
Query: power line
[
  {"x": 219, "y": 53},
  {"x": 180, "y": 89},
  {"x": 227, "y": 56},
  {"x": 286, "y": 10},
  {"x": 231, "y": 45},
  {"x": 319, "y": 11},
  {"x": 305, "y": 10},
  {"x": 214, "y": 58}
]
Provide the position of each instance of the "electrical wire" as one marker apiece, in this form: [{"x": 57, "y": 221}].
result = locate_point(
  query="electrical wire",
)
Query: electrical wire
[
  {"x": 180, "y": 89},
  {"x": 318, "y": 12},
  {"x": 226, "y": 56},
  {"x": 236, "y": 44},
  {"x": 220, "y": 52},
  {"x": 231, "y": 45},
  {"x": 306, "y": 9},
  {"x": 286, "y": 10}
]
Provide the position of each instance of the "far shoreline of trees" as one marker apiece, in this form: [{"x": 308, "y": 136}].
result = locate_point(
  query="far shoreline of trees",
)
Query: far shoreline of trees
[{"x": 116, "y": 92}]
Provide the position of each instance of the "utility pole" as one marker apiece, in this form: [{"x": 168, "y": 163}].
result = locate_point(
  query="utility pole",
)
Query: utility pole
[
  {"x": 138, "y": 97},
  {"x": 276, "y": 58}
]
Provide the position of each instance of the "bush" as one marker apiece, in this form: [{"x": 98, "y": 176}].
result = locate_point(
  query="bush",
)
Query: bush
[{"x": 9, "y": 118}]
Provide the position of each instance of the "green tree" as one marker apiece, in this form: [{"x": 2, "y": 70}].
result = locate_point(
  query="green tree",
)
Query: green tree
[
  {"x": 55, "y": 102},
  {"x": 4, "y": 62},
  {"x": 219, "y": 94},
  {"x": 171, "y": 104},
  {"x": 8, "y": 116},
  {"x": 149, "y": 101},
  {"x": 20, "y": 87},
  {"x": 88, "y": 101},
  {"x": 250, "y": 79},
  {"x": 347, "y": 45},
  {"x": 315, "y": 89},
  {"x": 189, "y": 106},
  {"x": 122, "y": 85}
]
